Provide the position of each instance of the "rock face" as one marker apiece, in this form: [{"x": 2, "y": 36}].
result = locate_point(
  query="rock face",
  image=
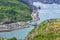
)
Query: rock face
[{"x": 47, "y": 30}]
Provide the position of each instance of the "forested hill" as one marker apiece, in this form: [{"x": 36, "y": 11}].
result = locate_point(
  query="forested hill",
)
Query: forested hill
[
  {"x": 47, "y": 30},
  {"x": 14, "y": 11}
]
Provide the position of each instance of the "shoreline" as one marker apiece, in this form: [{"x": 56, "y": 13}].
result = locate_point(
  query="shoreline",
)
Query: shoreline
[{"x": 20, "y": 25}]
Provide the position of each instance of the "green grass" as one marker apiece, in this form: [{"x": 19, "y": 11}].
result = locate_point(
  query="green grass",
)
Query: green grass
[
  {"x": 14, "y": 10},
  {"x": 46, "y": 30},
  {"x": 13, "y": 38}
]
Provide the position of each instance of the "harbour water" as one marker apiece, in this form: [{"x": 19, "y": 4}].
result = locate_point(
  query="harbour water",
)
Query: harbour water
[{"x": 47, "y": 11}]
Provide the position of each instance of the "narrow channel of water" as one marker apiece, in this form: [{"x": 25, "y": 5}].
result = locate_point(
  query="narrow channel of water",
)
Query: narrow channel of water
[{"x": 47, "y": 11}]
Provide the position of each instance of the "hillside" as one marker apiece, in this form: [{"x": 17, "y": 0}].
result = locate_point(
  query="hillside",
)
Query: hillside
[
  {"x": 47, "y": 30},
  {"x": 14, "y": 11},
  {"x": 13, "y": 38}
]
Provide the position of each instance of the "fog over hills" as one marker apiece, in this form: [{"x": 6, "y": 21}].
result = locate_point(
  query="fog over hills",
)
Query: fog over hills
[{"x": 42, "y": 1}]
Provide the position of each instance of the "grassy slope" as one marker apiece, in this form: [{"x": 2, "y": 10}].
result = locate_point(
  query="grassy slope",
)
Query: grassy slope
[
  {"x": 13, "y": 10},
  {"x": 13, "y": 38},
  {"x": 47, "y": 30}
]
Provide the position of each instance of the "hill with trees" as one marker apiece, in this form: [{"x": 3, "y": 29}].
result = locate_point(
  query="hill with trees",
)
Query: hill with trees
[
  {"x": 14, "y": 11},
  {"x": 46, "y": 30}
]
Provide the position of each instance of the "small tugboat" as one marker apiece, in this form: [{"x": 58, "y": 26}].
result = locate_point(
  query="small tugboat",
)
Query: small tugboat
[
  {"x": 35, "y": 15},
  {"x": 35, "y": 18},
  {"x": 39, "y": 7}
]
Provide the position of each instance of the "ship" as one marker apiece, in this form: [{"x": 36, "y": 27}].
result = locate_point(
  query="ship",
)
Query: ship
[{"x": 35, "y": 18}]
